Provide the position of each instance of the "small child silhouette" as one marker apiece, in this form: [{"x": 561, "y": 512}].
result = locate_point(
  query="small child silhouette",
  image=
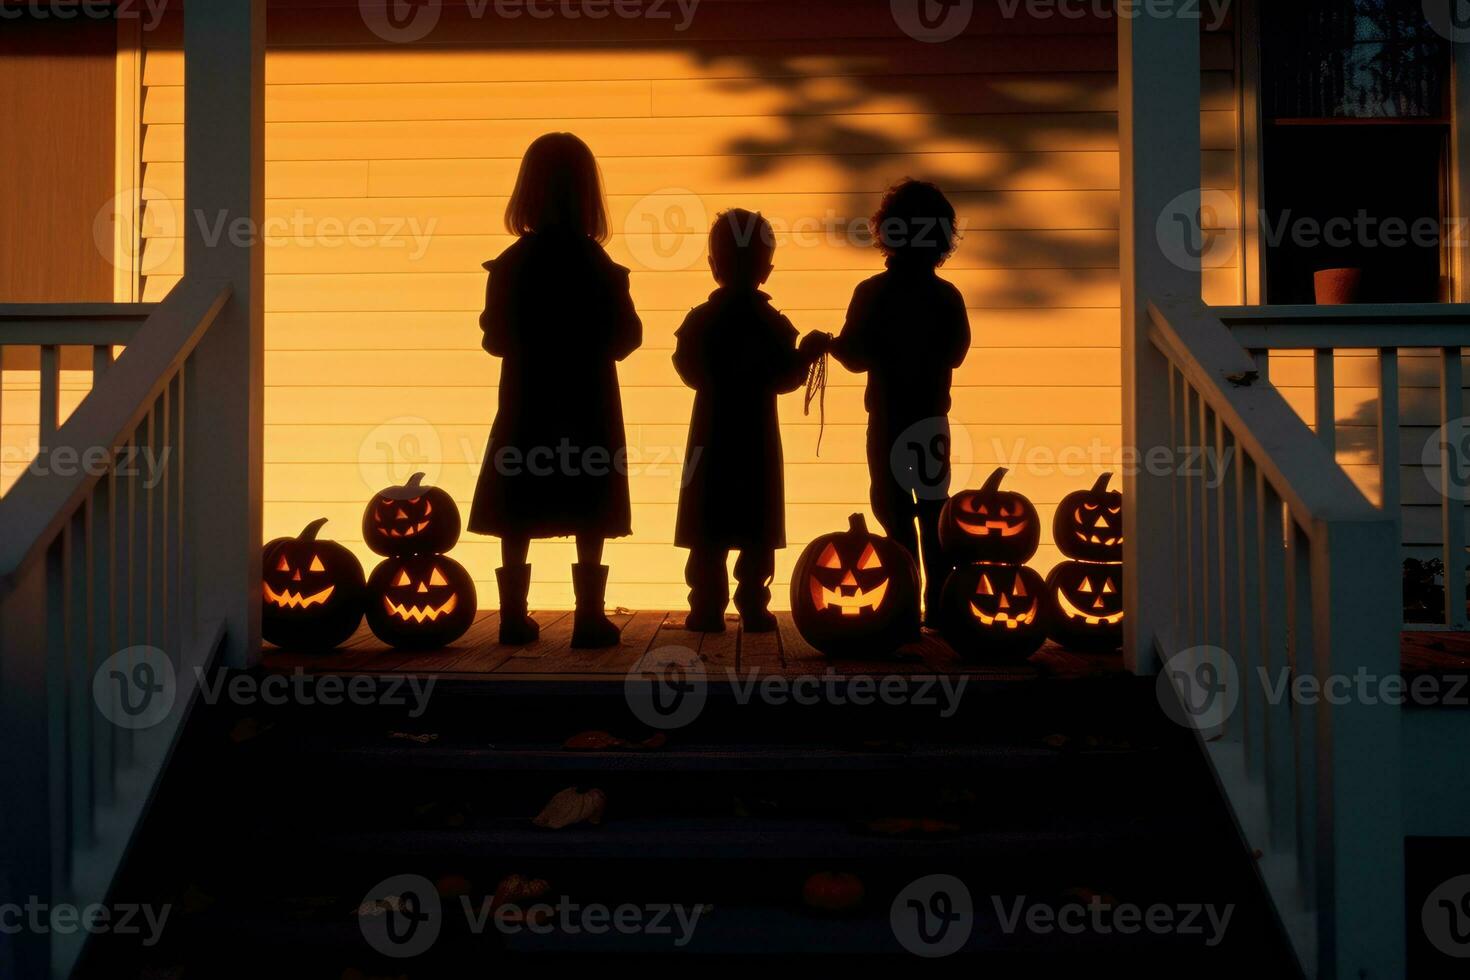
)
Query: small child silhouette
[
  {"x": 908, "y": 329},
  {"x": 738, "y": 354},
  {"x": 559, "y": 315}
]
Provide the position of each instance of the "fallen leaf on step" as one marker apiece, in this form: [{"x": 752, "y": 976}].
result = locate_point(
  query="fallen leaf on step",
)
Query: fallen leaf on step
[
  {"x": 600, "y": 741},
  {"x": 571, "y": 807},
  {"x": 912, "y": 826},
  {"x": 423, "y": 738},
  {"x": 249, "y": 727}
]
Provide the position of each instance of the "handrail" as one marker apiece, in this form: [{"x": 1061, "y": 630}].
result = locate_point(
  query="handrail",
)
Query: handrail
[
  {"x": 1284, "y": 572},
  {"x": 99, "y": 563},
  {"x": 71, "y": 324},
  {"x": 1299, "y": 466},
  {"x": 1386, "y": 331},
  {"x": 1355, "y": 326},
  {"x": 37, "y": 507}
]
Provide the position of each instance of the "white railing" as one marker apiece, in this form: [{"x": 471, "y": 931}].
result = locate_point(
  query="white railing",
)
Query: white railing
[
  {"x": 1291, "y": 573},
  {"x": 95, "y": 559},
  {"x": 1441, "y": 331},
  {"x": 41, "y": 333}
]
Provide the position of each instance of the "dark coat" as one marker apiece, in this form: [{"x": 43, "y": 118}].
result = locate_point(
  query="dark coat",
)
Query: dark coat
[
  {"x": 908, "y": 329},
  {"x": 738, "y": 354},
  {"x": 559, "y": 314}
]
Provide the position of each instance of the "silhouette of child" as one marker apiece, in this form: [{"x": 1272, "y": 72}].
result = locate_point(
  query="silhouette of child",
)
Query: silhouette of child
[
  {"x": 559, "y": 314},
  {"x": 738, "y": 354},
  {"x": 908, "y": 329}
]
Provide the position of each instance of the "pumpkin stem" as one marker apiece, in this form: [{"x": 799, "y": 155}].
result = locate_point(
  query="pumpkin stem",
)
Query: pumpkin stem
[
  {"x": 993, "y": 484},
  {"x": 1101, "y": 485},
  {"x": 414, "y": 482},
  {"x": 309, "y": 532},
  {"x": 857, "y": 524}
]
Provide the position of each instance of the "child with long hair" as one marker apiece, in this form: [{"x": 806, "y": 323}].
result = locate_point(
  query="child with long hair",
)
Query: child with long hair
[{"x": 559, "y": 314}]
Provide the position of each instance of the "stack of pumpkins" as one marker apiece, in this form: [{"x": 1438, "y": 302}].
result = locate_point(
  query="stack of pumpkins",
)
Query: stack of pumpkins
[
  {"x": 418, "y": 597},
  {"x": 314, "y": 592},
  {"x": 993, "y": 603},
  {"x": 1084, "y": 596}
]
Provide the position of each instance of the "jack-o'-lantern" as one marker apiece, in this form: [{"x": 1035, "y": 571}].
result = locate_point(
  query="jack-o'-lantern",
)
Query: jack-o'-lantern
[
  {"x": 1084, "y": 603},
  {"x": 420, "y": 601},
  {"x": 1089, "y": 523},
  {"x": 855, "y": 592},
  {"x": 413, "y": 519},
  {"x": 994, "y": 611},
  {"x": 989, "y": 524},
  {"x": 311, "y": 591}
]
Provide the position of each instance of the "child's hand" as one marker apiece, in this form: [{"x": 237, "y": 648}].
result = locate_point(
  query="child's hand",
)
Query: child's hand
[{"x": 815, "y": 344}]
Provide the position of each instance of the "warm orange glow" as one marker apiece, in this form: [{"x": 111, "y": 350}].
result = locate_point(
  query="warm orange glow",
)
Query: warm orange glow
[{"x": 373, "y": 365}]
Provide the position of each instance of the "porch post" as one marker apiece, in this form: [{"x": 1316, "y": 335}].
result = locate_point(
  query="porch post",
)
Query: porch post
[
  {"x": 224, "y": 188},
  {"x": 1159, "y": 144}
]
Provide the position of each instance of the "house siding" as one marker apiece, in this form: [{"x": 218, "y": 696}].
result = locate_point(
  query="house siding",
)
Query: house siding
[{"x": 803, "y": 111}]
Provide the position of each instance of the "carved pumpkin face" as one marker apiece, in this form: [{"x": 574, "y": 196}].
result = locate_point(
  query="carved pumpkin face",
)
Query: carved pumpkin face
[
  {"x": 990, "y": 525},
  {"x": 411, "y": 520},
  {"x": 420, "y": 601},
  {"x": 311, "y": 591},
  {"x": 1085, "y": 605},
  {"x": 848, "y": 585},
  {"x": 994, "y": 611},
  {"x": 855, "y": 592},
  {"x": 1089, "y": 523}
]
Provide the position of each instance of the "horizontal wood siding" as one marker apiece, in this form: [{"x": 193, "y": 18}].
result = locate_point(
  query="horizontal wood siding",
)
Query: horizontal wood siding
[{"x": 804, "y": 111}]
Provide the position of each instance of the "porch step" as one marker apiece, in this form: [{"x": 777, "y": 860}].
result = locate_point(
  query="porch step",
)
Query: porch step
[
  {"x": 284, "y": 819},
  {"x": 389, "y": 753}
]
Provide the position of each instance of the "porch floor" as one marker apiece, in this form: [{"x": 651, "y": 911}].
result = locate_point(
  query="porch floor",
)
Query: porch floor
[{"x": 478, "y": 654}]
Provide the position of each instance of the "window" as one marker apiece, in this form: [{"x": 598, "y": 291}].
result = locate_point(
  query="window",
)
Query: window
[{"x": 1356, "y": 109}]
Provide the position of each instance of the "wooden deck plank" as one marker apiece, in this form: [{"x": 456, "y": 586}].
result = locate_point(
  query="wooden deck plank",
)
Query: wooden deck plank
[
  {"x": 468, "y": 648},
  {"x": 760, "y": 653},
  {"x": 556, "y": 632},
  {"x": 646, "y": 633},
  {"x": 720, "y": 651},
  {"x": 670, "y": 644},
  {"x": 563, "y": 659},
  {"x": 639, "y": 636},
  {"x": 797, "y": 655}
]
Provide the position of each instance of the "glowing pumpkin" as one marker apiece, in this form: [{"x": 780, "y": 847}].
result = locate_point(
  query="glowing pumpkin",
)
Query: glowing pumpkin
[
  {"x": 311, "y": 591},
  {"x": 994, "y": 611},
  {"x": 855, "y": 592},
  {"x": 1084, "y": 603},
  {"x": 411, "y": 520},
  {"x": 989, "y": 524},
  {"x": 420, "y": 601},
  {"x": 1089, "y": 523}
]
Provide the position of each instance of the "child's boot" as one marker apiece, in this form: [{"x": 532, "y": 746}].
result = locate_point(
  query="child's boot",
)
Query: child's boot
[
  {"x": 517, "y": 628},
  {"x": 591, "y": 628},
  {"x": 753, "y": 594}
]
